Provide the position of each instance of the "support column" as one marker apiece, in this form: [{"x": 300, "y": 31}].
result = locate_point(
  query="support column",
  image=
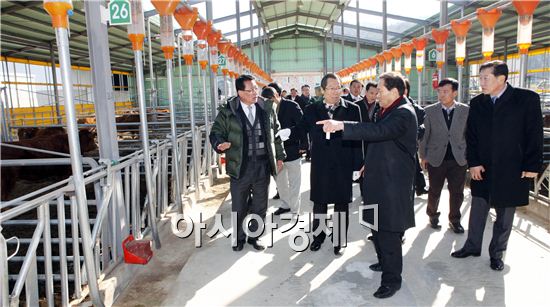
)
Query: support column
[
  {"x": 343, "y": 58},
  {"x": 325, "y": 57},
  {"x": 332, "y": 46},
  {"x": 55, "y": 90},
  {"x": 384, "y": 25},
  {"x": 357, "y": 45},
  {"x": 104, "y": 106},
  {"x": 238, "y": 17},
  {"x": 153, "y": 95},
  {"x": 443, "y": 20},
  {"x": 251, "y": 31}
]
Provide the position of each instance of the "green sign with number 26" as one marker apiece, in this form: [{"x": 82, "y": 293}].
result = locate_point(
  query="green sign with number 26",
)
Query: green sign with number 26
[{"x": 120, "y": 12}]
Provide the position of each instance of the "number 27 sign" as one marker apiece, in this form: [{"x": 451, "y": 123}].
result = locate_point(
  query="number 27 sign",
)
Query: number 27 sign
[{"x": 120, "y": 12}]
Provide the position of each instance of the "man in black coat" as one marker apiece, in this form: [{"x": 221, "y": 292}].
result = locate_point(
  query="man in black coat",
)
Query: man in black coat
[
  {"x": 389, "y": 174},
  {"x": 419, "y": 180},
  {"x": 294, "y": 140},
  {"x": 305, "y": 100},
  {"x": 504, "y": 145},
  {"x": 355, "y": 89},
  {"x": 333, "y": 161}
]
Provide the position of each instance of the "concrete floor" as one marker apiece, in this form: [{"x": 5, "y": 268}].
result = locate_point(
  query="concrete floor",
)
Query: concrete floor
[{"x": 215, "y": 275}]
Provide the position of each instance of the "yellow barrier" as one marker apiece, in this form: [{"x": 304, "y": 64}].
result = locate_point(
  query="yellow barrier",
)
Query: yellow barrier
[{"x": 46, "y": 115}]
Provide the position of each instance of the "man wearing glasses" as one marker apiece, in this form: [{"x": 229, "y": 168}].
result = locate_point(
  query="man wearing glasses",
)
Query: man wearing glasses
[{"x": 244, "y": 130}]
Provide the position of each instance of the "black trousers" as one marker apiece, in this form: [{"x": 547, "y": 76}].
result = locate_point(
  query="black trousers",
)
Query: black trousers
[
  {"x": 339, "y": 218},
  {"x": 390, "y": 256},
  {"x": 249, "y": 196},
  {"x": 455, "y": 175},
  {"x": 501, "y": 229}
]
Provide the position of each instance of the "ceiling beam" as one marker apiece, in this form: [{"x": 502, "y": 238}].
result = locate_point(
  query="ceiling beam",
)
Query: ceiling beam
[
  {"x": 264, "y": 4},
  {"x": 297, "y": 13},
  {"x": 391, "y": 16},
  {"x": 373, "y": 30}
]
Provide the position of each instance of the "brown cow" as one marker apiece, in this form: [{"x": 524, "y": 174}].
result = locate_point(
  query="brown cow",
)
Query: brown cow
[
  {"x": 58, "y": 143},
  {"x": 28, "y": 133}
]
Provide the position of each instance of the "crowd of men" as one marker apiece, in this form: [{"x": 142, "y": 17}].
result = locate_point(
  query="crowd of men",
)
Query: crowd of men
[{"x": 379, "y": 136}]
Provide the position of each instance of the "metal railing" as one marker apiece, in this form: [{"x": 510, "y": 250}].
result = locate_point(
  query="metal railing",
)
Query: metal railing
[{"x": 115, "y": 195}]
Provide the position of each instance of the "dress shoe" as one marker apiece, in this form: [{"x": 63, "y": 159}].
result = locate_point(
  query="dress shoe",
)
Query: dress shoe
[
  {"x": 377, "y": 267},
  {"x": 370, "y": 238},
  {"x": 338, "y": 250},
  {"x": 421, "y": 191},
  {"x": 385, "y": 292},
  {"x": 462, "y": 253},
  {"x": 276, "y": 196},
  {"x": 315, "y": 246},
  {"x": 456, "y": 227},
  {"x": 497, "y": 264},
  {"x": 281, "y": 211},
  {"x": 256, "y": 244},
  {"x": 434, "y": 223},
  {"x": 238, "y": 247}
]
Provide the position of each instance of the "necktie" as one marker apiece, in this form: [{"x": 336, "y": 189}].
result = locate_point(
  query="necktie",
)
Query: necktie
[
  {"x": 494, "y": 99},
  {"x": 250, "y": 115}
]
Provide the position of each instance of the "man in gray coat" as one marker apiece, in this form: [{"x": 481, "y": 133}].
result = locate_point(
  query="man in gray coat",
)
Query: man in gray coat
[
  {"x": 390, "y": 166},
  {"x": 443, "y": 152}
]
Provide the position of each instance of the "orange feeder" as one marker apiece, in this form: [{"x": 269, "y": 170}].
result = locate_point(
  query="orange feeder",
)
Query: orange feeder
[
  {"x": 420, "y": 45},
  {"x": 136, "y": 30},
  {"x": 381, "y": 60},
  {"x": 525, "y": 11},
  {"x": 202, "y": 29},
  {"x": 223, "y": 47},
  {"x": 388, "y": 56},
  {"x": 186, "y": 18},
  {"x": 407, "y": 49},
  {"x": 397, "y": 53},
  {"x": 166, "y": 9},
  {"x": 213, "y": 39},
  {"x": 460, "y": 29},
  {"x": 440, "y": 37},
  {"x": 488, "y": 20},
  {"x": 58, "y": 11}
]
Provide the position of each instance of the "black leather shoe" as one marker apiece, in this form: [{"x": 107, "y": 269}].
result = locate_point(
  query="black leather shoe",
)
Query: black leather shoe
[
  {"x": 497, "y": 264},
  {"x": 281, "y": 211},
  {"x": 315, "y": 246},
  {"x": 256, "y": 244},
  {"x": 238, "y": 247},
  {"x": 385, "y": 292},
  {"x": 422, "y": 191},
  {"x": 338, "y": 250},
  {"x": 276, "y": 196},
  {"x": 434, "y": 223},
  {"x": 377, "y": 267},
  {"x": 456, "y": 227},
  {"x": 462, "y": 253}
]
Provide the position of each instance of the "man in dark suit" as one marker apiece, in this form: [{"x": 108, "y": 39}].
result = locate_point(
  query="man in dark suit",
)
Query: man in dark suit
[
  {"x": 419, "y": 180},
  {"x": 368, "y": 105},
  {"x": 389, "y": 175},
  {"x": 443, "y": 152},
  {"x": 293, "y": 94},
  {"x": 355, "y": 89},
  {"x": 294, "y": 141},
  {"x": 305, "y": 100},
  {"x": 333, "y": 161},
  {"x": 504, "y": 140}
]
